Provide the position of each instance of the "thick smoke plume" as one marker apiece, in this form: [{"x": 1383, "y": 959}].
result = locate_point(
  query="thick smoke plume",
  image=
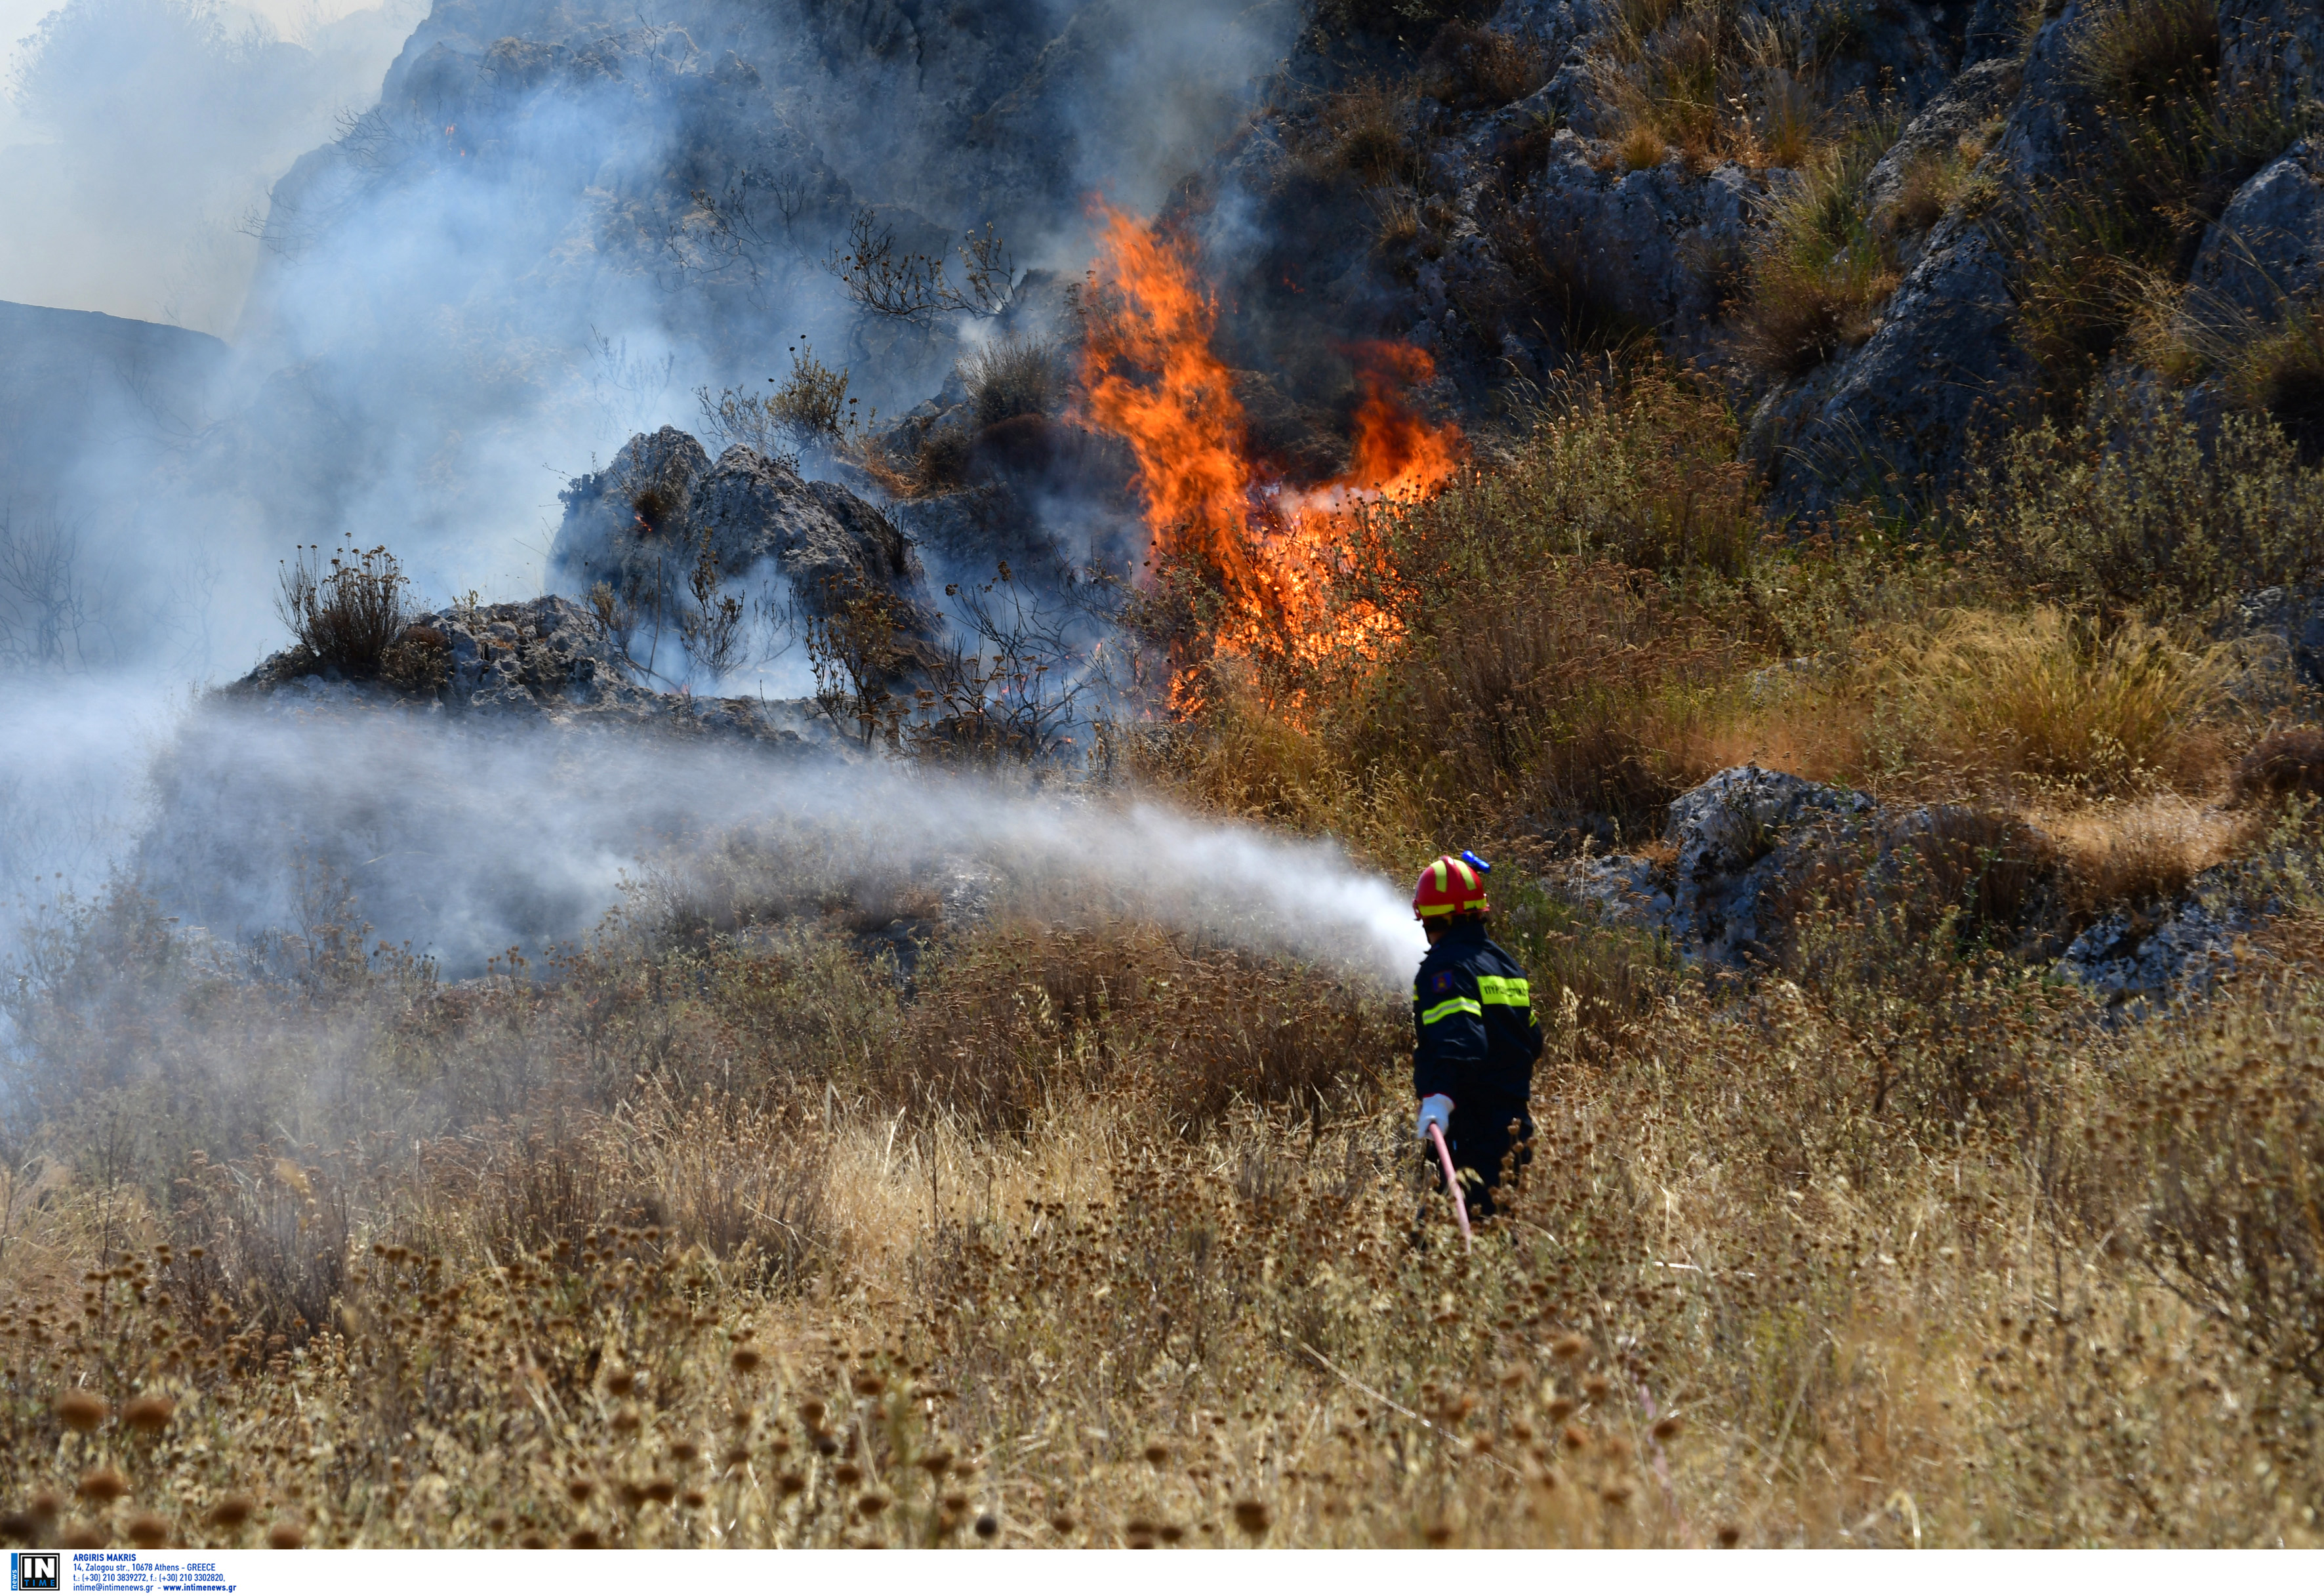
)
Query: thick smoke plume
[{"x": 520, "y": 232}]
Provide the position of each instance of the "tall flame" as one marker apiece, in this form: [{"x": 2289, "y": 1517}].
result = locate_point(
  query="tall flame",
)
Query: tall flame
[{"x": 1150, "y": 377}]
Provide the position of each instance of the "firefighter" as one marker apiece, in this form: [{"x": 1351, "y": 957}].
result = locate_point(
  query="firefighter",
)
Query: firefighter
[{"x": 1475, "y": 1038}]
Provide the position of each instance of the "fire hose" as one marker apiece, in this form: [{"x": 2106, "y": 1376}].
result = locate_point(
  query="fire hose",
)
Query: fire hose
[{"x": 1452, "y": 1185}]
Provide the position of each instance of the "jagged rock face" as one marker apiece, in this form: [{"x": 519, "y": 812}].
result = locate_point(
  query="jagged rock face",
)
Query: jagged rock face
[
  {"x": 1944, "y": 364},
  {"x": 1639, "y": 243},
  {"x": 1961, "y": 111},
  {"x": 639, "y": 526},
  {"x": 1945, "y": 368}
]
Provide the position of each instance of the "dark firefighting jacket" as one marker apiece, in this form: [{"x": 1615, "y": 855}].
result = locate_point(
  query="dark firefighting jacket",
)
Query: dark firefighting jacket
[{"x": 1475, "y": 1038}]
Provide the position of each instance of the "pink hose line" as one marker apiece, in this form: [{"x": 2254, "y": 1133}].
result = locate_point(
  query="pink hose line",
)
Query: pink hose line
[{"x": 1452, "y": 1185}]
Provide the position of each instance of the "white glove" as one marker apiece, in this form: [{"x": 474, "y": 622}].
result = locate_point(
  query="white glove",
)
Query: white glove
[{"x": 1436, "y": 1111}]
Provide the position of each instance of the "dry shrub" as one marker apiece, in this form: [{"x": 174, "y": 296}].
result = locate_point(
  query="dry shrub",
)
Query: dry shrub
[
  {"x": 419, "y": 660},
  {"x": 2281, "y": 374},
  {"x": 1633, "y": 467},
  {"x": 2268, "y": 363},
  {"x": 1822, "y": 269},
  {"x": 746, "y": 1185},
  {"x": 1668, "y": 70},
  {"x": 2045, "y": 696},
  {"x": 1016, "y": 1017},
  {"x": 344, "y": 616},
  {"x": 1596, "y": 983},
  {"x": 268, "y": 1234},
  {"x": 945, "y": 454},
  {"x": 1994, "y": 870},
  {"x": 1558, "y": 699},
  {"x": 2286, "y": 761},
  {"x": 1930, "y": 186},
  {"x": 1016, "y": 376},
  {"x": 2227, "y": 1116},
  {"x": 1473, "y": 67},
  {"x": 1718, "y": 81}
]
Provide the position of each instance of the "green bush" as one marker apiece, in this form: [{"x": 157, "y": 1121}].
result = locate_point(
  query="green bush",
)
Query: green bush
[{"x": 2130, "y": 510}]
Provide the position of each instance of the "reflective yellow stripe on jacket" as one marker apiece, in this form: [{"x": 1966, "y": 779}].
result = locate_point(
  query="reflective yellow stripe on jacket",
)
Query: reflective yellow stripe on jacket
[
  {"x": 1451, "y": 1006},
  {"x": 1510, "y": 990}
]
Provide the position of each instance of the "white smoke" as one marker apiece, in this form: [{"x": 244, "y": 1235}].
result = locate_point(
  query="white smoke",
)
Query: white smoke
[
  {"x": 465, "y": 841},
  {"x": 140, "y": 138},
  {"x": 449, "y": 318}
]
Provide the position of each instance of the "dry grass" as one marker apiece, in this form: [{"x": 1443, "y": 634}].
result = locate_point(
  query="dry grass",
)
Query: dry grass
[
  {"x": 1798, "y": 1281},
  {"x": 1473, "y": 67},
  {"x": 1716, "y": 82},
  {"x": 2042, "y": 698},
  {"x": 1822, "y": 269},
  {"x": 1365, "y": 132}
]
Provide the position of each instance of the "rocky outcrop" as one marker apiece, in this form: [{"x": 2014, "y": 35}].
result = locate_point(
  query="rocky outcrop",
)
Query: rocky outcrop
[
  {"x": 1644, "y": 246},
  {"x": 1730, "y": 847},
  {"x": 1745, "y": 851},
  {"x": 2136, "y": 962},
  {"x": 639, "y": 527},
  {"x": 549, "y": 662}
]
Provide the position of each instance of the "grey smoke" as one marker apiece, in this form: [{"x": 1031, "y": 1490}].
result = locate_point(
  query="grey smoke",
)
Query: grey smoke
[
  {"x": 464, "y": 841},
  {"x": 478, "y": 278},
  {"x": 141, "y": 136}
]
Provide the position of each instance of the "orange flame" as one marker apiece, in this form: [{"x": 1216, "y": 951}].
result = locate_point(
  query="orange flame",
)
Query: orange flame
[{"x": 1150, "y": 378}]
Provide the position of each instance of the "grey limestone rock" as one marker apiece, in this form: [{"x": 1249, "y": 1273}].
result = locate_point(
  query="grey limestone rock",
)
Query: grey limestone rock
[
  {"x": 2275, "y": 47},
  {"x": 1740, "y": 835},
  {"x": 639, "y": 526},
  {"x": 2136, "y": 963},
  {"x": 2267, "y": 248},
  {"x": 1736, "y": 839}
]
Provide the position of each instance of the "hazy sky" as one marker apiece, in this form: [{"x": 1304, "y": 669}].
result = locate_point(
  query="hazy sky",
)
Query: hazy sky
[{"x": 129, "y": 164}]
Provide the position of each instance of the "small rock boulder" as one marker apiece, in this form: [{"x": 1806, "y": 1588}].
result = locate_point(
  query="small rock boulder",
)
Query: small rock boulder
[
  {"x": 2136, "y": 962},
  {"x": 2267, "y": 250},
  {"x": 1740, "y": 835}
]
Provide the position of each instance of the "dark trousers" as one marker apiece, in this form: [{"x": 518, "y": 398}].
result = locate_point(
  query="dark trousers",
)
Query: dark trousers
[{"x": 1480, "y": 1139}]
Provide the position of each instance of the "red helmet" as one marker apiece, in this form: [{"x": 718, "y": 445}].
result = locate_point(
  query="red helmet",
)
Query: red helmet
[{"x": 1450, "y": 886}]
